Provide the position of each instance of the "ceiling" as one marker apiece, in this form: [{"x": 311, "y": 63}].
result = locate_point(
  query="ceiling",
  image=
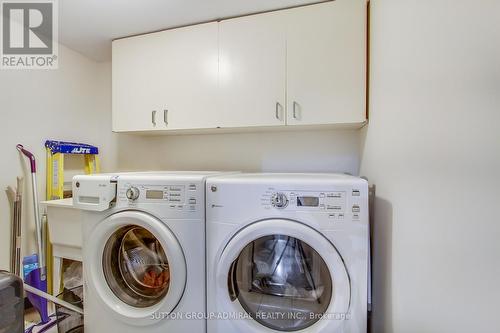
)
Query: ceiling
[{"x": 89, "y": 26}]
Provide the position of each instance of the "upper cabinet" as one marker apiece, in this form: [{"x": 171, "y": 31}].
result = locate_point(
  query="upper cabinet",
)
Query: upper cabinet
[
  {"x": 301, "y": 66},
  {"x": 188, "y": 77},
  {"x": 166, "y": 80},
  {"x": 326, "y": 63},
  {"x": 252, "y": 71},
  {"x": 134, "y": 79}
]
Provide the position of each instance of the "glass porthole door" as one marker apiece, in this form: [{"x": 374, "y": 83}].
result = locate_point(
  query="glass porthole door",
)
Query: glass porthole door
[
  {"x": 284, "y": 275},
  {"x": 137, "y": 266},
  {"x": 282, "y": 282}
]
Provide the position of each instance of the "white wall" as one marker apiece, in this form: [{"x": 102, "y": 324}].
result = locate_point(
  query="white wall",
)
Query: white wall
[
  {"x": 433, "y": 150},
  {"x": 313, "y": 151},
  {"x": 65, "y": 104}
]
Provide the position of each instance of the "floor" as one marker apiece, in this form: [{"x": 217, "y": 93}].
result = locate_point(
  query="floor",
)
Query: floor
[{"x": 31, "y": 317}]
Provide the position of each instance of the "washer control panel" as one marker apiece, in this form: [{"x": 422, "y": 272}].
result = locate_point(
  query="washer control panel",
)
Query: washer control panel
[
  {"x": 154, "y": 193},
  {"x": 178, "y": 197}
]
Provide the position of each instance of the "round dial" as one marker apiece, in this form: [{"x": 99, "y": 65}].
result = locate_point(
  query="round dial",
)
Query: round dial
[
  {"x": 132, "y": 193},
  {"x": 279, "y": 200}
]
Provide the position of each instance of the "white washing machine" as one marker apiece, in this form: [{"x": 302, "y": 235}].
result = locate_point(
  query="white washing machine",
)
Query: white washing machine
[
  {"x": 287, "y": 252},
  {"x": 143, "y": 251}
]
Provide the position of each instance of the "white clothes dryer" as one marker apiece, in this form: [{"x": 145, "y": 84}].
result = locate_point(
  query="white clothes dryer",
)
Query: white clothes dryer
[{"x": 287, "y": 253}]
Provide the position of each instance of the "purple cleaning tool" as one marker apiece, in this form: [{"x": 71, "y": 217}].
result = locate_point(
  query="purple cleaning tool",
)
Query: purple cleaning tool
[{"x": 37, "y": 278}]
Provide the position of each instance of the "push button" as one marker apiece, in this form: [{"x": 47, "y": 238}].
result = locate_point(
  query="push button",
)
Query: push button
[
  {"x": 355, "y": 209},
  {"x": 192, "y": 201}
]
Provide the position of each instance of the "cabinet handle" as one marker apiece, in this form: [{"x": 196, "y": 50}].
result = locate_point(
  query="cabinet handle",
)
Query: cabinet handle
[
  {"x": 278, "y": 107},
  {"x": 153, "y": 118},
  {"x": 295, "y": 104},
  {"x": 165, "y": 116}
]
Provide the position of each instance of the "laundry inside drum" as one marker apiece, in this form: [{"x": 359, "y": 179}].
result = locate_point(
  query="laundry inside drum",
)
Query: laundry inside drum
[
  {"x": 281, "y": 282},
  {"x": 136, "y": 267}
]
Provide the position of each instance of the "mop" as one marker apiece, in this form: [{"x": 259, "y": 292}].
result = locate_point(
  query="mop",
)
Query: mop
[{"x": 37, "y": 278}]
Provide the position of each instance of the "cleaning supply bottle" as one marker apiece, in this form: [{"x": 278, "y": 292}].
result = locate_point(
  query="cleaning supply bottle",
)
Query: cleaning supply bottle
[{"x": 30, "y": 263}]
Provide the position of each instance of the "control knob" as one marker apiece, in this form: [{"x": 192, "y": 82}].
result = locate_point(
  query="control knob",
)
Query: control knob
[
  {"x": 132, "y": 193},
  {"x": 279, "y": 200}
]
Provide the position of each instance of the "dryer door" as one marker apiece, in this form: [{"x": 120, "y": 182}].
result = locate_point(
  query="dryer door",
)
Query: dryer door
[
  {"x": 285, "y": 276},
  {"x": 137, "y": 267}
]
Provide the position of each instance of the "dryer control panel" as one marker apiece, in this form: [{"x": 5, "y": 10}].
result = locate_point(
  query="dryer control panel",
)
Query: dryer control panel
[
  {"x": 305, "y": 200},
  {"x": 337, "y": 204}
]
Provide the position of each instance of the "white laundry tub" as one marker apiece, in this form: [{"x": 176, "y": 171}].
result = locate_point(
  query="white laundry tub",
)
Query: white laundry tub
[{"x": 65, "y": 234}]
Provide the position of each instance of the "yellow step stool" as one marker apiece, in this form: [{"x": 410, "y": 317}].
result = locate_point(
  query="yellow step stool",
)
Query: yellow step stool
[
  {"x": 55, "y": 164},
  {"x": 56, "y": 150}
]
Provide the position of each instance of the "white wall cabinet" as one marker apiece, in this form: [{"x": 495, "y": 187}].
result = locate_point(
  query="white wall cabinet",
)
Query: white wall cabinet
[
  {"x": 302, "y": 66},
  {"x": 326, "y": 63},
  {"x": 252, "y": 71},
  {"x": 166, "y": 80},
  {"x": 134, "y": 82}
]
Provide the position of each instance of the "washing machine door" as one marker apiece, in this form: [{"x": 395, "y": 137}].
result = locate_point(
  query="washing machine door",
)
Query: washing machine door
[
  {"x": 283, "y": 276},
  {"x": 136, "y": 267}
]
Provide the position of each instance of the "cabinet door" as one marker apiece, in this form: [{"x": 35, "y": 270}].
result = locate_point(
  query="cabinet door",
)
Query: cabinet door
[
  {"x": 166, "y": 80},
  {"x": 252, "y": 71},
  {"x": 134, "y": 82},
  {"x": 187, "y": 77},
  {"x": 326, "y": 63}
]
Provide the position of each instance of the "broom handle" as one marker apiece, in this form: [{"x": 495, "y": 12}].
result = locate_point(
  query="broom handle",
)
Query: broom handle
[
  {"x": 19, "y": 203},
  {"x": 11, "y": 194},
  {"x": 53, "y": 299}
]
